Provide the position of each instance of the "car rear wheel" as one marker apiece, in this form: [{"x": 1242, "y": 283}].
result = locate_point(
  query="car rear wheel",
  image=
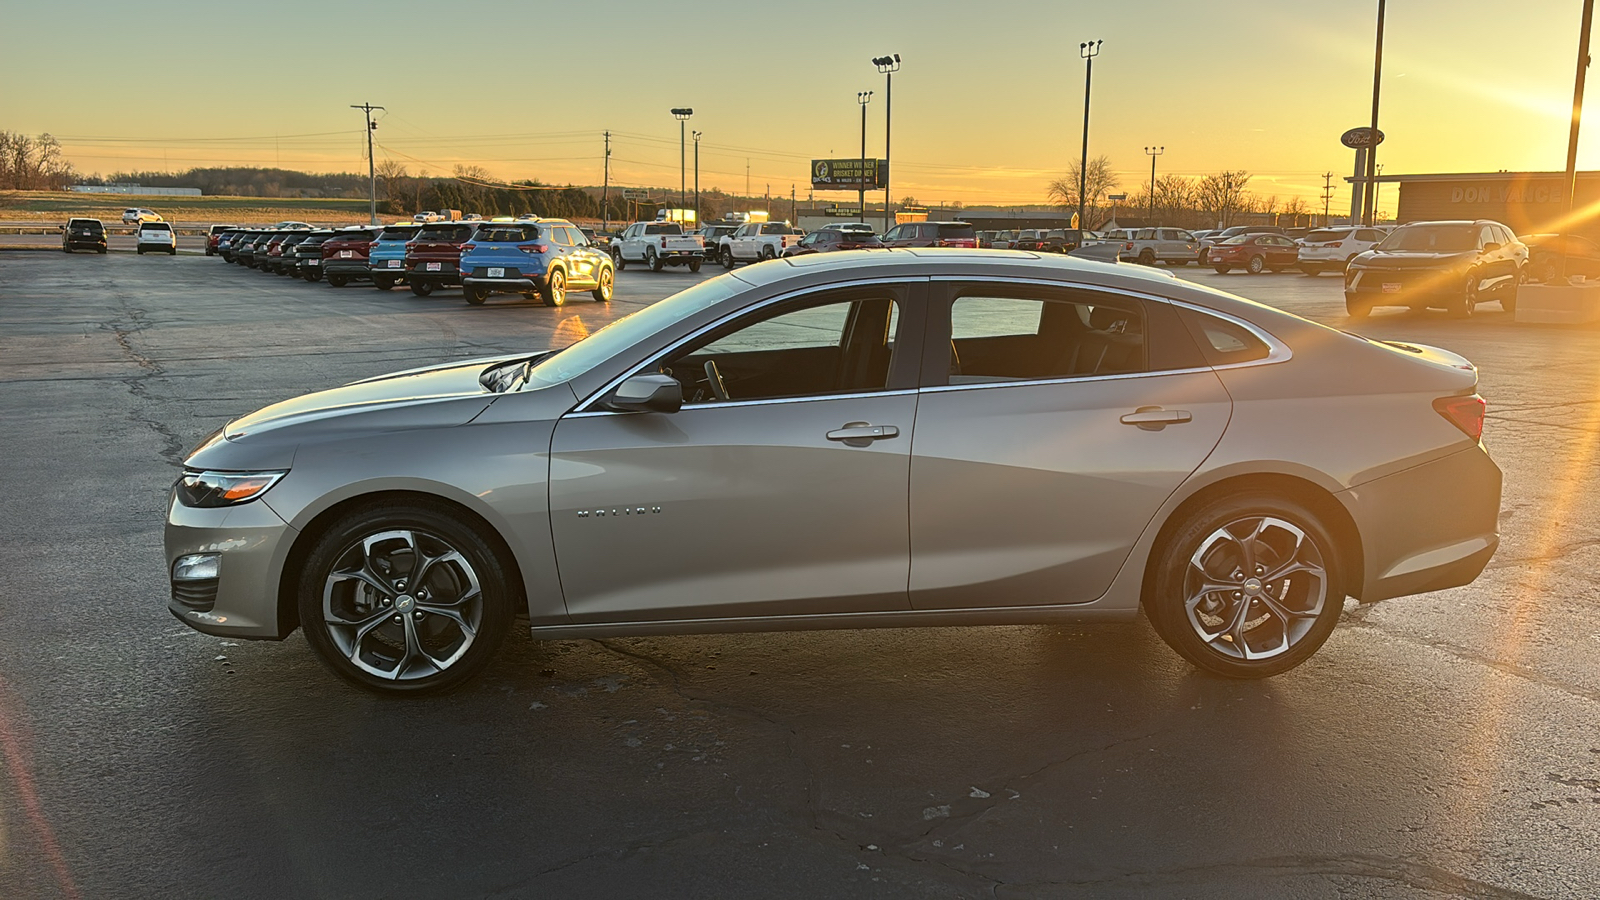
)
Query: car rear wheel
[
  {"x": 694, "y": 265},
  {"x": 421, "y": 288},
  {"x": 337, "y": 281},
  {"x": 475, "y": 294},
  {"x": 1311, "y": 269},
  {"x": 1146, "y": 258},
  {"x": 768, "y": 253},
  {"x": 605, "y": 287},
  {"x": 1508, "y": 294},
  {"x": 1255, "y": 264},
  {"x": 1356, "y": 307},
  {"x": 1222, "y": 270},
  {"x": 404, "y": 599},
  {"x": 555, "y": 288},
  {"x": 1246, "y": 586},
  {"x": 652, "y": 260}
]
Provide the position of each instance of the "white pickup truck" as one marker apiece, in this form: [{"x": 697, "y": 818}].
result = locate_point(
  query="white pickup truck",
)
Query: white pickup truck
[
  {"x": 657, "y": 245},
  {"x": 756, "y": 241}
]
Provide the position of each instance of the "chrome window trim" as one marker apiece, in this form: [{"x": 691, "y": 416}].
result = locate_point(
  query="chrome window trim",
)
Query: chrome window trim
[
  {"x": 1277, "y": 351},
  {"x": 584, "y": 407},
  {"x": 1069, "y": 379},
  {"x": 859, "y": 395}
]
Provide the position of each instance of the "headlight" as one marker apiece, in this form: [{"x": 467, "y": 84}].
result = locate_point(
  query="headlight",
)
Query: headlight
[{"x": 209, "y": 490}]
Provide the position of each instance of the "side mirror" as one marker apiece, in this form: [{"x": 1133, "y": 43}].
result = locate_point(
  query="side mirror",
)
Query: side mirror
[
  {"x": 1490, "y": 247},
  {"x": 647, "y": 393}
]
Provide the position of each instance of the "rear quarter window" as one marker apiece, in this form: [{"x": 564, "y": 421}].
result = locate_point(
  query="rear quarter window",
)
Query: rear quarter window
[
  {"x": 955, "y": 231},
  {"x": 1223, "y": 342}
]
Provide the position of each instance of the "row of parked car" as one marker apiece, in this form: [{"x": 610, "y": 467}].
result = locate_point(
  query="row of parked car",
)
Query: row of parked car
[{"x": 546, "y": 259}]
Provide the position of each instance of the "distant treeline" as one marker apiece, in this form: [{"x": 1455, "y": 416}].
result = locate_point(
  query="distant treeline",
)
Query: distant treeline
[{"x": 242, "y": 181}]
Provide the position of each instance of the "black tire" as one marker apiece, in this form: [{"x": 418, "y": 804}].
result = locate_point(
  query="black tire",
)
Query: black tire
[
  {"x": 421, "y": 288},
  {"x": 1255, "y": 264},
  {"x": 727, "y": 258},
  {"x": 432, "y": 529},
  {"x": 652, "y": 260},
  {"x": 1356, "y": 307},
  {"x": 1508, "y": 294},
  {"x": 139, "y": 251},
  {"x": 605, "y": 286},
  {"x": 475, "y": 294},
  {"x": 1311, "y": 269},
  {"x": 1464, "y": 306},
  {"x": 768, "y": 253},
  {"x": 337, "y": 281},
  {"x": 1285, "y": 619},
  {"x": 1545, "y": 271},
  {"x": 65, "y": 249},
  {"x": 1147, "y": 258},
  {"x": 102, "y": 249},
  {"x": 383, "y": 284},
  {"x": 618, "y": 261},
  {"x": 1221, "y": 270},
  {"x": 555, "y": 288},
  {"x": 694, "y": 265}
]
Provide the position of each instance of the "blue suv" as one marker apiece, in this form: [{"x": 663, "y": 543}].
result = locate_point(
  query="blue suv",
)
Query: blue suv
[
  {"x": 543, "y": 258},
  {"x": 386, "y": 260}
]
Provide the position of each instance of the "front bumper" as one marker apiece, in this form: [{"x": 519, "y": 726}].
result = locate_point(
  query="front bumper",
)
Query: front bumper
[
  {"x": 252, "y": 542},
  {"x": 1403, "y": 287},
  {"x": 1427, "y": 528}
]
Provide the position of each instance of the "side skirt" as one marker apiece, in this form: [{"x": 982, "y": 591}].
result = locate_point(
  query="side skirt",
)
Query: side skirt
[{"x": 900, "y": 618}]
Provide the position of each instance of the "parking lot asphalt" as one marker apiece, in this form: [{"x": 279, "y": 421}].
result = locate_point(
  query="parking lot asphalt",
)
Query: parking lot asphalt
[{"x": 1445, "y": 745}]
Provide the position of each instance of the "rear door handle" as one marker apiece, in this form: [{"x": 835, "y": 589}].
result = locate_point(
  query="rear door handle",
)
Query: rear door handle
[
  {"x": 860, "y": 434},
  {"x": 1154, "y": 418}
]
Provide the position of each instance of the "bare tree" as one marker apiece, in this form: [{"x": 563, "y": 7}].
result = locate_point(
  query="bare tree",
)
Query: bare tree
[
  {"x": 1222, "y": 195},
  {"x": 33, "y": 163},
  {"x": 1101, "y": 181},
  {"x": 1294, "y": 210}
]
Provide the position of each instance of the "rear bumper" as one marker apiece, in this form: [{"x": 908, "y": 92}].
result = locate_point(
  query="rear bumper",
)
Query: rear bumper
[
  {"x": 349, "y": 268},
  {"x": 1427, "y": 528}
]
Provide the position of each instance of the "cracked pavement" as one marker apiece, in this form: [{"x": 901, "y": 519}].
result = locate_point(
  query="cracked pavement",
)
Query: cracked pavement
[{"x": 1446, "y": 745}]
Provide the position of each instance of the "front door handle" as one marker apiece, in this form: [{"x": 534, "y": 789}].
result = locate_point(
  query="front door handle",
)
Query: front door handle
[
  {"x": 861, "y": 434},
  {"x": 1154, "y": 418}
]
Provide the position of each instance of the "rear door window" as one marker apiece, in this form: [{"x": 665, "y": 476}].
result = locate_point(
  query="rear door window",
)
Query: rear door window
[{"x": 1002, "y": 336}]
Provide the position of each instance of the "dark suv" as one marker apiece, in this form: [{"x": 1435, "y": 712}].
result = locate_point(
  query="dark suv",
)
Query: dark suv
[
  {"x": 307, "y": 262},
  {"x": 931, "y": 234},
  {"x": 83, "y": 234},
  {"x": 1451, "y": 265}
]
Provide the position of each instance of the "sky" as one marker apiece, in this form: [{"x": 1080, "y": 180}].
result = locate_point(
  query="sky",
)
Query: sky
[{"x": 987, "y": 107}]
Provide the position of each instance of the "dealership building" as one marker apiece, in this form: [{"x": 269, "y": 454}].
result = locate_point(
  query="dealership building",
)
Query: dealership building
[{"x": 1528, "y": 202}]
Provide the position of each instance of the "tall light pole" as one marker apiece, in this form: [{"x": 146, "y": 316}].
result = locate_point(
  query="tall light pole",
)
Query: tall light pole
[
  {"x": 863, "y": 98},
  {"x": 372, "y": 169},
  {"x": 697, "y": 178},
  {"x": 1571, "y": 180},
  {"x": 1087, "y": 51},
  {"x": 1372, "y": 149},
  {"x": 1153, "y": 152},
  {"x": 888, "y": 65},
  {"x": 682, "y": 115}
]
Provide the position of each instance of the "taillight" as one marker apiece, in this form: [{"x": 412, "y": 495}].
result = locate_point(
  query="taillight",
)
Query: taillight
[
  {"x": 467, "y": 248},
  {"x": 534, "y": 248},
  {"x": 1128, "y": 245},
  {"x": 1465, "y": 413}
]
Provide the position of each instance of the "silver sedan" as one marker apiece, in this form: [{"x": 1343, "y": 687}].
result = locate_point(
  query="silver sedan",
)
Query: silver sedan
[{"x": 850, "y": 440}]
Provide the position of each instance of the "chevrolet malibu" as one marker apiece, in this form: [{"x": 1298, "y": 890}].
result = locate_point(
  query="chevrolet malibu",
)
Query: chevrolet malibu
[{"x": 891, "y": 438}]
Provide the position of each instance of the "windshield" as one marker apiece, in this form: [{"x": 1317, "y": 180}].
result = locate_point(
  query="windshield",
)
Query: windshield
[
  {"x": 579, "y": 358},
  {"x": 1432, "y": 238}
]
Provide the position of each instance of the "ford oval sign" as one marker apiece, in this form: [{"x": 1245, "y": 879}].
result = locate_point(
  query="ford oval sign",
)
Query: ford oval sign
[{"x": 1357, "y": 138}]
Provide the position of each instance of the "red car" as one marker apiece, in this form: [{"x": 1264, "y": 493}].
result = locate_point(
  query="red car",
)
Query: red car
[
  {"x": 1254, "y": 252},
  {"x": 829, "y": 240},
  {"x": 344, "y": 256},
  {"x": 931, "y": 234},
  {"x": 433, "y": 257}
]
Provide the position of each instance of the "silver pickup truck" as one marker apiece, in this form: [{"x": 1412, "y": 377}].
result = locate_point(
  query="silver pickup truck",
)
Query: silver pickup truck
[{"x": 1148, "y": 246}]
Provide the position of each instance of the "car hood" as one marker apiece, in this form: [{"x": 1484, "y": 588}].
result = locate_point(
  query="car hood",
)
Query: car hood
[
  {"x": 440, "y": 395},
  {"x": 1411, "y": 259}
]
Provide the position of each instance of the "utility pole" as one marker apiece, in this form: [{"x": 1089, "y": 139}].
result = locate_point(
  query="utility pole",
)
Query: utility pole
[
  {"x": 747, "y": 176},
  {"x": 1372, "y": 151},
  {"x": 1086, "y": 51},
  {"x": 697, "y": 178},
  {"x": 372, "y": 168},
  {"x": 1327, "y": 196},
  {"x": 888, "y": 65},
  {"x": 1153, "y": 152},
  {"x": 1572, "y": 136},
  {"x": 863, "y": 98},
  {"x": 605, "y": 190},
  {"x": 794, "y": 216}
]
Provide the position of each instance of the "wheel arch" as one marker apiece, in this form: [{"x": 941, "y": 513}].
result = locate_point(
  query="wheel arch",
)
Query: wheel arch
[
  {"x": 1341, "y": 525},
  {"x": 313, "y": 531}
]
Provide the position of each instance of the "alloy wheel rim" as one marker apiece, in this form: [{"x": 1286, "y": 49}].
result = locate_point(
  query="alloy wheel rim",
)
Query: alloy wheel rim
[
  {"x": 1254, "y": 588},
  {"x": 558, "y": 286},
  {"x": 606, "y": 285},
  {"x": 402, "y": 604}
]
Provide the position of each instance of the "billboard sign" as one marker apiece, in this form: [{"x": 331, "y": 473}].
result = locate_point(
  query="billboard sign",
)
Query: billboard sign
[
  {"x": 846, "y": 174},
  {"x": 635, "y": 194}
]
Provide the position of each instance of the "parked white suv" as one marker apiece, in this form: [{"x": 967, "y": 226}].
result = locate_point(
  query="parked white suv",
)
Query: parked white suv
[
  {"x": 1331, "y": 249},
  {"x": 157, "y": 237},
  {"x": 133, "y": 215}
]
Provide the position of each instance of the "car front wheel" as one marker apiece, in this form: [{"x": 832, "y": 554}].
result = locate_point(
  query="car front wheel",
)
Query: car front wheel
[
  {"x": 1246, "y": 586},
  {"x": 727, "y": 258},
  {"x": 404, "y": 599}
]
